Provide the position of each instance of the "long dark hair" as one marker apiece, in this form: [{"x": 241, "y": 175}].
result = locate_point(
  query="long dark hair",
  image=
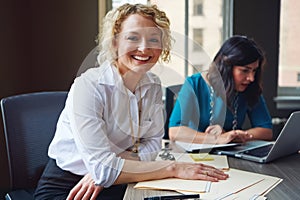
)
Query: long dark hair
[{"x": 238, "y": 51}]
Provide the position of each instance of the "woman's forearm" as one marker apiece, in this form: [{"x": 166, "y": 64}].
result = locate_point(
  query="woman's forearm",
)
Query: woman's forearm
[
  {"x": 186, "y": 134},
  {"x": 135, "y": 171},
  {"x": 259, "y": 133}
]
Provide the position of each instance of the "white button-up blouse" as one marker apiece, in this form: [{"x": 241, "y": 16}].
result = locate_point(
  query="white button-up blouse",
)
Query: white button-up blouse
[{"x": 100, "y": 119}]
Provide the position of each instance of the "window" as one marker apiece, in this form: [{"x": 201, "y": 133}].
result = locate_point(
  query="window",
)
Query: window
[
  {"x": 198, "y": 7},
  {"x": 289, "y": 62},
  {"x": 198, "y": 38}
]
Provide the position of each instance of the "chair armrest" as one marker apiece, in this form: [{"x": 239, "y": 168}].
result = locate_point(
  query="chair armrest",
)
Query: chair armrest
[{"x": 20, "y": 195}]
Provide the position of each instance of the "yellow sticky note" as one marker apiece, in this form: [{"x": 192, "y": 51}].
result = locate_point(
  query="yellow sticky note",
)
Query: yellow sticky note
[{"x": 201, "y": 157}]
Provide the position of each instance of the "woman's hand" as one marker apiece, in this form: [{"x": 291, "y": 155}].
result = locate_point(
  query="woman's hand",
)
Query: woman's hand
[
  {"x": 85, "y": 189},
  {"x": 214, "y": 130},
  {"x": 242, "y": 136},
  {"x": 197, "y": 171},
  {"x": 234, "y": 136}
]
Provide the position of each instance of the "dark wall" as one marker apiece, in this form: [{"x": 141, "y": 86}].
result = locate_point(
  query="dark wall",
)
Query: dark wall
[
  {"x": 42, "y": 45},
  {"x": 260, "y": 20}
]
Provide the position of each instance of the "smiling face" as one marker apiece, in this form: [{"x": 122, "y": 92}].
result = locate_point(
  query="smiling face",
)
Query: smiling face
[
  {"x": 244, "y": 75},
  {"x": 139, "y": 44}
]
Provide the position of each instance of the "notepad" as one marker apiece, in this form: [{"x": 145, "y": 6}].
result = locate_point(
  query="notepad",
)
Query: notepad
[
  {"x": 197, "y": 157},
  {"x": 190, "y": 186},
  {"x": 241, "y": 185}
]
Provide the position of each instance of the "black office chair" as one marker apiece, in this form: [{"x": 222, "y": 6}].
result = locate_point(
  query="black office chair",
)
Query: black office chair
[
  {"x": 29, "y": 124},
  {"x": 171, "y": 95}
]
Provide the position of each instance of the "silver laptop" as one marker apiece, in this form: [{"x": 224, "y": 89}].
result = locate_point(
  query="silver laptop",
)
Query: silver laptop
[{"x": 288, "y": 142}]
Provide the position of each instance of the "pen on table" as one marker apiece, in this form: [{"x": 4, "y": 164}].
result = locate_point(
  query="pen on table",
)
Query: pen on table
[{"x": 189, "y": 196}]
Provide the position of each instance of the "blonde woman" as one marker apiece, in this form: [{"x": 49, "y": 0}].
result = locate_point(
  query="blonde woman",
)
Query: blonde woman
[{"x": 113, "y": 118}]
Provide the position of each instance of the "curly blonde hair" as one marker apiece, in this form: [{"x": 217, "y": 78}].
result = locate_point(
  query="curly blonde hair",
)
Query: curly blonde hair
[{"x": 111, "y": 27}]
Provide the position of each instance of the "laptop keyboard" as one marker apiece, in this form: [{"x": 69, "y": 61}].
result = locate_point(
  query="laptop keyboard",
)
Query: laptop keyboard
[{"x": 260, "y": 152}]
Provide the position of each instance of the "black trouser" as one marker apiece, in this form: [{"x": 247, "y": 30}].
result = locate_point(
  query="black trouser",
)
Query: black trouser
[{"x": 56, "y": 183}]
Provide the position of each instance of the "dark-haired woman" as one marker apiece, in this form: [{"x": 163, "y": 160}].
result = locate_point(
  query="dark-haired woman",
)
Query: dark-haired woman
[{"x": 212, "y": 106}]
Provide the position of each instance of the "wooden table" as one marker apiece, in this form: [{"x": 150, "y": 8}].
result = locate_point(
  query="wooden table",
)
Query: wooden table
[{"x": 287, "y": 168}]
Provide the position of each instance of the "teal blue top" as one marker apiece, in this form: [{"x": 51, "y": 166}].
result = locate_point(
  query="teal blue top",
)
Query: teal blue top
[{"x": 192, "y": 108}]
